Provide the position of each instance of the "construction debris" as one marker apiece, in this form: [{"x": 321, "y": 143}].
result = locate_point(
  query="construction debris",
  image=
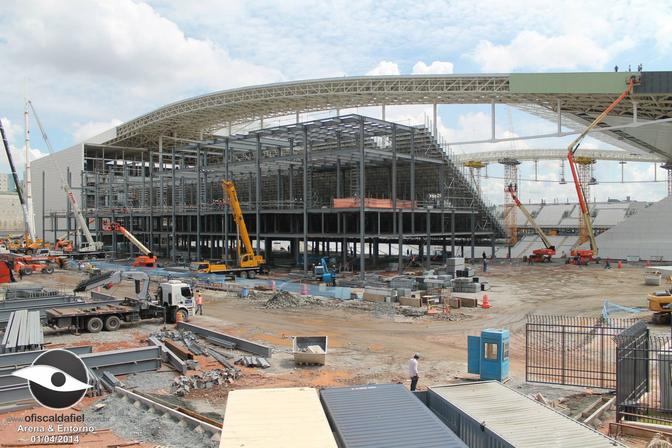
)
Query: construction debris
[
  {"x": 284, "y": 299},
  {"x": 204, "y": 380},
  {"x": 253, "y": 361}
]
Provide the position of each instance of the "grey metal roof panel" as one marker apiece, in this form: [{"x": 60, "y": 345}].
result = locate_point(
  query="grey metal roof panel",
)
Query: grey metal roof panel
[
  {"x": 517, "y": 419},
  {"x": 384, "y": 415}
]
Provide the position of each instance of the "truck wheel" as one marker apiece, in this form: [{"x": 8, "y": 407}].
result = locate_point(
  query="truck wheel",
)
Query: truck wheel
[
  {"x": 48, "y": 270},
  {"x": 112, "y": 323},
  {"x": 94, "y": 325},
  {"x": 243, "y": 274},
  {"x": 251, "y": 274},
  {"x": 26, "y": 271},
  {"x": 181, "y": 315}
]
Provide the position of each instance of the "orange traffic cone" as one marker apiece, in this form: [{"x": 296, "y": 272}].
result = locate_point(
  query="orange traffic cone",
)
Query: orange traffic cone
[
  {"x": 273, "y": 285},
  {"x": 486, "y": 302},
  {"x": 304, "y": 289},
  {"x": 620, "y": 264}
]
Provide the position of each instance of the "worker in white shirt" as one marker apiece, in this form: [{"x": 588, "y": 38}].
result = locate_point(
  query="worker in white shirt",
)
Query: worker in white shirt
[{"x": 413, "y": 371}]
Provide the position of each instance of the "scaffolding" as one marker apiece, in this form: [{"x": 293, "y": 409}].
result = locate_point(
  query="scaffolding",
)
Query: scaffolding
[
  {"x": 585, "y": 169},
  {"x": 510, "y": 178}
]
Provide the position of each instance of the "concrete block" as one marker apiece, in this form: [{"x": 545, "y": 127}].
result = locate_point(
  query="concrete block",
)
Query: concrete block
[
  {"x": 369, "y": 297},
  {"x": 468, "y": 302},
  {"x": 410, "y": 301}
]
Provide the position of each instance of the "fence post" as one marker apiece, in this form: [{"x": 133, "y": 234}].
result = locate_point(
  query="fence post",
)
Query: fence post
[
  {"x": 527, "y": 348},
  {"x": 562, "y": 354}
]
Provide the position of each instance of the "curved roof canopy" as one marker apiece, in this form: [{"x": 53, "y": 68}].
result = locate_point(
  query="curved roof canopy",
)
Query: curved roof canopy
[{"x": 580, "y": 97}]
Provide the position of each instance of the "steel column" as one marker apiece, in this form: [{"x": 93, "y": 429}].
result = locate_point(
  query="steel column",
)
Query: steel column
[
  {"x": 362, "y": 199},
  {"x": 258, "y": 193},
  {"x": 198, "y": 202},
  {"x": 305, "y": 197},
  {"x": 173, "y": 217}
]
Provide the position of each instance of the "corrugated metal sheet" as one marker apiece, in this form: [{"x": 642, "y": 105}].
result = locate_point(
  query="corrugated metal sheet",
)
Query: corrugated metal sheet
[
  {"x": 491, "y": 415},
  {"x": 280, "y": 418},
  {"x": 385, "y": 415}
]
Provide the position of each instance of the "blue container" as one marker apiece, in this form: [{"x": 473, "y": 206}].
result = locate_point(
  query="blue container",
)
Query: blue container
[
  {"x": 244, "y": 293},
  {"x": 488, "y": 354}
]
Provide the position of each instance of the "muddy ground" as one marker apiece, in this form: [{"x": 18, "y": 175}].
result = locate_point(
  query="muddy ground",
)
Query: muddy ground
[{"x": 372, "y": 343}]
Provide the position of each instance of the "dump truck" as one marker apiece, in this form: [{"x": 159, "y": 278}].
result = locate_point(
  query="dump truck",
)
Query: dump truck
[{"x": 173, "y": 302}]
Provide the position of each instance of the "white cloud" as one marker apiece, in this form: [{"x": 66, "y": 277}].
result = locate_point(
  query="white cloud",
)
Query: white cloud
[
  {"x": 124, "y": 41},
  {"x": 532, "y": 50},
  {"x": 384, "y": 68},
  {"x": 83, "y": 131},
  {"x": 435, "y": 68}
]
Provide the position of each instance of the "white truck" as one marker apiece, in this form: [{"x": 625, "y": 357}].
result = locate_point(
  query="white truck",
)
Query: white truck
[{"x": 173, "y": 302}]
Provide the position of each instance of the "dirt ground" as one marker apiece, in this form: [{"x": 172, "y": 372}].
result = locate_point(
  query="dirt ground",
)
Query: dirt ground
[{"x": 374, "y": 344}]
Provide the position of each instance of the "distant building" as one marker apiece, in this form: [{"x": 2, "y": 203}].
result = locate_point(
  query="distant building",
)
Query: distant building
[
  {"x": 7, "y": 182},
  {"x": 11, "y": 216}
]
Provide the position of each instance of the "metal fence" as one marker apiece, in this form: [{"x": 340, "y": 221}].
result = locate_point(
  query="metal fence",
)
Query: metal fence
[
  {"x": 572, "y": 350},
  {"x": 644, "y": 376}
]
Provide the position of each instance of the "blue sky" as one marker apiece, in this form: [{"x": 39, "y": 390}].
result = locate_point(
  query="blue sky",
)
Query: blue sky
[{"x": 91, "y": 64}]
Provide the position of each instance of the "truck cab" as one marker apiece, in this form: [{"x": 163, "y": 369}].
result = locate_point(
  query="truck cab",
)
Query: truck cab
[{"x": 177, "y": 298}]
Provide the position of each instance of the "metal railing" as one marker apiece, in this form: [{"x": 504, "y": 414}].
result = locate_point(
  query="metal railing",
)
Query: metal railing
[
  {"x": 644, "y": 376},
  {"x": 576, "y": 351}
]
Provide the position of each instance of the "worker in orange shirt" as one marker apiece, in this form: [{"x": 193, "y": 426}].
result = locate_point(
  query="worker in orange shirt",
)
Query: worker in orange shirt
[{"x": 199, "y": 302}]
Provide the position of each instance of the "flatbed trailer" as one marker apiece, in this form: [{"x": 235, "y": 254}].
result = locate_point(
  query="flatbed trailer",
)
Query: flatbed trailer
[{"x": 96, "y": 318}]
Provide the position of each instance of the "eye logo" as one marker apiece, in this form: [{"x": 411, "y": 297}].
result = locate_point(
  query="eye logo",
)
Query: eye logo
[{"x": 57, "y": 379}]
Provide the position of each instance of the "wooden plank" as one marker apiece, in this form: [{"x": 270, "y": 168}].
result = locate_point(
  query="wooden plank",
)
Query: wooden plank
[
  {"x": 599, "y": 411},
  {"x": 621, "y": 429}
]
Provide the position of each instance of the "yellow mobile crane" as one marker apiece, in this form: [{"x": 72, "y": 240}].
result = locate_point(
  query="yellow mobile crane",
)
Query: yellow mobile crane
[{"x": 248, "y": 263}]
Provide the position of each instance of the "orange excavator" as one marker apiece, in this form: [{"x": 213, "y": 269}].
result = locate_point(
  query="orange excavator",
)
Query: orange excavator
[
  {"x": 147, "y": 259},
  {"x": 584, "y": 256},
  {"x": 538, "y": 255}
]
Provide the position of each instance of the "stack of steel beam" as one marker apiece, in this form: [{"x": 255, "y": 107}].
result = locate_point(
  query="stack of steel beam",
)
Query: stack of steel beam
[{"x": 23, "y": 332}]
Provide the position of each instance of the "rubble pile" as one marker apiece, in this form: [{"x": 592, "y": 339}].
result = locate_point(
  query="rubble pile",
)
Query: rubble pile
[
  {"x": 284, "y": 299},
  {"x": 204, "y": 380}
]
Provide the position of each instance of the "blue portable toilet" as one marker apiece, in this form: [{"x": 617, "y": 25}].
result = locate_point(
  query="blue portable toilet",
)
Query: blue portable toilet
[{"x": 488, "y": 354}]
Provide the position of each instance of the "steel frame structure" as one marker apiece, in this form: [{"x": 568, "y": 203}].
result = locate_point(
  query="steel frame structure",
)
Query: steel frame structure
[
  {"x": 553, "y": 154},
  {"x": 208, "y": 113},
  {"x": 298, "y": 170}
]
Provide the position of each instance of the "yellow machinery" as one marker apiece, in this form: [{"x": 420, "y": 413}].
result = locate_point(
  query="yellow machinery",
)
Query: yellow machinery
[
  {"x": 248, "y": 263},
  {"x": 661, "y": 304}
]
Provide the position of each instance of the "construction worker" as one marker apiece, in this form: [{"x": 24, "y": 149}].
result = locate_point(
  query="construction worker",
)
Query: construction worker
[
  {"x": 413, "y": 371},
  {"x": 199, "y": 302}
]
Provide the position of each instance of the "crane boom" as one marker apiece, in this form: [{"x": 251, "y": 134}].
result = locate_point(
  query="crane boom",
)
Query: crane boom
[
  {"x": 24, "y": 206},
  {"x": 512, "y": 191},
  {"x": 92, "y": 245},
  {"x": 571, "y": 150},
  {"x": 230, "y": 190},
  {"x": 115, "y": 226},
  {"x": 27, "y": 178}
]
